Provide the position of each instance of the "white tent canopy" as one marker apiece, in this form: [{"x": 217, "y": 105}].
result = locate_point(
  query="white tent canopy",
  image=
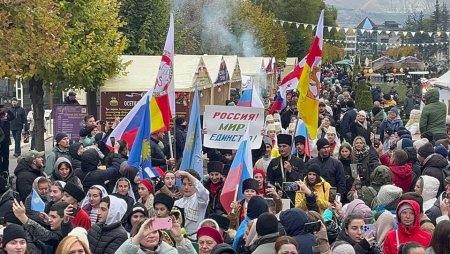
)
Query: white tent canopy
[
  {"x": 142, "y": 71},
  {"x": 443, "y": 80}
]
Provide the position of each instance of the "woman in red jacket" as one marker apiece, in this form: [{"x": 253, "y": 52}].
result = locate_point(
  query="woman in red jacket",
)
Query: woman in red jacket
[
  {"x": 408, "y": 215},
  {"x": 401, "y": 169}
]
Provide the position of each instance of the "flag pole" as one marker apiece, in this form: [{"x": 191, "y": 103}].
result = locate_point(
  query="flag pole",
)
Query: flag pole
[{"x": 235, "y": 196}]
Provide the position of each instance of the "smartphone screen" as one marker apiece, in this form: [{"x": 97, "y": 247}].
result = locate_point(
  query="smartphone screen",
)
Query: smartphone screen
[
  {"x": 333, "y": 192},
  {"x": 354, "y": 169},
  {"x": 312, "y": 227},
  {"x": 290, "y": 186},
  {"x": 162, "y": 223}
]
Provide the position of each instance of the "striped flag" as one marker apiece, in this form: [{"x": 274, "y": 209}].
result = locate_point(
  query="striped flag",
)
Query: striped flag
[{"x": 309, "y": 83}]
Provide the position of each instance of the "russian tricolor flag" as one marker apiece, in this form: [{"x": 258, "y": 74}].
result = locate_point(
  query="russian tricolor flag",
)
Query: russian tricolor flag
[
  {"x": 129, "y": 125},
  {"x": 277, "y": 104},
  {"x": 241, "y": 169},
  {"x": 249, "y": 97}
]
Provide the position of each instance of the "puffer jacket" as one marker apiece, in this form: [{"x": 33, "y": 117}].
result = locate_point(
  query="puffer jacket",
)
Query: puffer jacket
[
  {"x": 433, "y": 114},
  {"x": 412, "y": 234},
  {"x": 430, "y": 188},
  {"x": 108, "y": 236},
  {"x": 322, "y": 192},
  {"x": 433, "y": 166},
  {"x": 90, "y": 175},
  {"x": 25, "y": 176},
  {"x": 293, "y": 221},
  {"x": 70, "y": 178},
  {"x": 402, "y": 175}
]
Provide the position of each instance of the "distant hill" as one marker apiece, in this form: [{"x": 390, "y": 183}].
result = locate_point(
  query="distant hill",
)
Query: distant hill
[{"x": 352, "y": 12}]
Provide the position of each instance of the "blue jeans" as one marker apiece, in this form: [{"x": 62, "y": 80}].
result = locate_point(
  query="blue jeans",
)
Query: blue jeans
[{"x": 17, "y": 134}]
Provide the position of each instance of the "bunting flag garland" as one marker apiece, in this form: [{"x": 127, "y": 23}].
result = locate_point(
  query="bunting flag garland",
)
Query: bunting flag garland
[
  {"x": 332, "y": 41},
  {"x": 354, "y": 30}
]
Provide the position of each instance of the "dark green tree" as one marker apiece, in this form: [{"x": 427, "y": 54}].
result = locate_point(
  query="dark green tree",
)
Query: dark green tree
[
  {"x": 299, "y": 39},
  {"x": 30, "y": 43},
  {"x": 363, "y": 100},
  {"x": 146, "y": 24}
]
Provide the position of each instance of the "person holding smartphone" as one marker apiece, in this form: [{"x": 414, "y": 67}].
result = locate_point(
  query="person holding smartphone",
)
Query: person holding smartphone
[
  {"x": 352, "y": 233},
  {"x": 313, "y": 187},
  {"x": 146, "y": 239}
]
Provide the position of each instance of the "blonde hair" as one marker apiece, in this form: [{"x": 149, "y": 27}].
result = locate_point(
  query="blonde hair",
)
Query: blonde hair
[{"x": 68, "y": 241}]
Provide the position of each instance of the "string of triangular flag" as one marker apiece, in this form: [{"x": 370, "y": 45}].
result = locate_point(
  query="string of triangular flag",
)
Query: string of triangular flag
[
  {"x": 349, "y": 30},
  {"x": 333, "y": 41}
]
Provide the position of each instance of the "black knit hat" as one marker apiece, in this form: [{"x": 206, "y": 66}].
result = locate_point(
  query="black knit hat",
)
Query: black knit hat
[
  {"x": 222, "y": 221},
  {"x": 215, "y": 166},
  {"x": 164, "y": 199},
  {"x": 250, "y": 183},
  {"x": 60, "y": 136},
  {"x": 300, "y": 139},
  {"x": 284, "y": 139},
  {"x": 321, "y": 143},
  {"x": 256, "y": 206},
  {"x": 314, "y": 168},
  {"x": 266, "y": 224},
  {"x": 12, "y": 232},
  {"x": 137, "y": 208},
  {"x": 426, "y": 150},
  {"x": 75, "y": 191}
]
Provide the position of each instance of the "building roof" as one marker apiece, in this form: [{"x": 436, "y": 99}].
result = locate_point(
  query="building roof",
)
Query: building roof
[
  {"x": 142, "y": 71},
  {"x": 367, "y": 24},
  {"x": 251, "y": 66},
  {"x": 212, "y": 63}
]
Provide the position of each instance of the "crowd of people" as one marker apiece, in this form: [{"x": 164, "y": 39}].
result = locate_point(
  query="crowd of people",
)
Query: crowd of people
[{"x": 370, "y": 182}]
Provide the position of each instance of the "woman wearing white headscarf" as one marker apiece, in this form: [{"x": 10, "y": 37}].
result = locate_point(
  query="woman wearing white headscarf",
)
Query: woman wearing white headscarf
[{"x": 91, "y": 203}]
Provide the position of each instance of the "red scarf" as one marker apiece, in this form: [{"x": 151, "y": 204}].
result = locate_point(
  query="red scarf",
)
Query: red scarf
[{"x": 214, "y": 187}]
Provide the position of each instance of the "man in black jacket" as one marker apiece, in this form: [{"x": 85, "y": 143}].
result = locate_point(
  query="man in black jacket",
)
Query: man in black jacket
[
  {"x": 158, "y": 157},
  {"x": 6, "y": 116},
  {"x": 331, "y": 169},
  {"x": 71, "y": 99},
  {"x": 28, "y": 169},
  {"x": 50, "y": 238},
  {"x": 286, "y": 167},
  {"x": 348, "y": 118},
  {"x": 180, "y": 136},
  {"x": 17, "y": 125}
]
